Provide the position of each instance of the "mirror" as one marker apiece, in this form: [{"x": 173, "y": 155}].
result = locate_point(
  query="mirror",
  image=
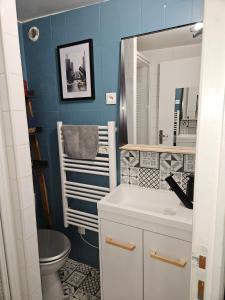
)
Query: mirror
[
  {"x": 160, "y": 74},
  {"x": 185, "y": 116}
]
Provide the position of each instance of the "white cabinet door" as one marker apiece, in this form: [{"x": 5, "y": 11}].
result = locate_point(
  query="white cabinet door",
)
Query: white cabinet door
[
  {"x": 121, "y": 262},
  {"x": 166, "y": 276}
]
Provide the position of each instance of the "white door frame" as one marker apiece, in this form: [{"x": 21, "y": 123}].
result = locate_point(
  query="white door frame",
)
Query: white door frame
[
  {"x": 4, "y": 278},
  {"x": 209, "y": 208},
  {"x": 9, "y": 258}
]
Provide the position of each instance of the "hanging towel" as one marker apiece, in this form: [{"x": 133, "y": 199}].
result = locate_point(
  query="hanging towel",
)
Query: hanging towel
[{"x": 80, "y": 141}]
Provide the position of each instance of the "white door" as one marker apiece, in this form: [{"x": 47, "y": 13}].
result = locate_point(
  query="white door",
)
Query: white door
[
  {"x": 121, "y": 262},
  {"x": 209, "y": 208},
  {"x": 181, "y": 73}
]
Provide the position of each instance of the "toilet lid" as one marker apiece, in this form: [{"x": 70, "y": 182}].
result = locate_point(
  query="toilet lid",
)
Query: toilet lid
[{"x": 52, "y": 245}]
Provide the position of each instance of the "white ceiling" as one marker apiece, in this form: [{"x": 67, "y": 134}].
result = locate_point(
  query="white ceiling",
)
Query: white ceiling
[
  {"x": 168, "y": 38},
  {"x": 31, "y": 9}
]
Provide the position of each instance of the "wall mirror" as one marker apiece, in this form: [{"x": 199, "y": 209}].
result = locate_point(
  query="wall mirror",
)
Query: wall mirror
[{"x": 160, "y": 74}]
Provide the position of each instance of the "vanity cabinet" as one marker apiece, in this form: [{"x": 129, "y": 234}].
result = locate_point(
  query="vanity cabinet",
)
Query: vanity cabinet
[
  {"x": 138, "y": 264},
  {"x": 145, "y": 245}
]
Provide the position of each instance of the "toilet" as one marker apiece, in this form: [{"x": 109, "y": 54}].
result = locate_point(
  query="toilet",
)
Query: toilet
[{"x": 54, "y": 248}]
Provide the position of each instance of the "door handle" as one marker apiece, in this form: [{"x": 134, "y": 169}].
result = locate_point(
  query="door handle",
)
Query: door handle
[
  {"x": 125, "y": 246},
  {"x": 178, "y": 263},
  {"x": 161, "y": 136}
]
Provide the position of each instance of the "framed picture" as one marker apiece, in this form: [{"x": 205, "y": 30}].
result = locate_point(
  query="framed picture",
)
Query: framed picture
[{"x": 76, "y": 70}]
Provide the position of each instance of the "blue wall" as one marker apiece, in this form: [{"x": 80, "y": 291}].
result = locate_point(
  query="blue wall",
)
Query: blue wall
[{"x": 106, "y": 24}]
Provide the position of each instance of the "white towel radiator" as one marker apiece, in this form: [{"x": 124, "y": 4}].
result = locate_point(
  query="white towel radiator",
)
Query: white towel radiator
[{"x": 103, "y": 165}]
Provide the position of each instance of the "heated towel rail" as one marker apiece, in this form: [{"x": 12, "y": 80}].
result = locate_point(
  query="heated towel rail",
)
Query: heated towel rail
[{"x": 103, "y": 165}]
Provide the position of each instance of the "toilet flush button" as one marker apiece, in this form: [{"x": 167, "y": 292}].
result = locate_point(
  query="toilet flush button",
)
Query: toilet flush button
[{"x": 111, "y": 98}]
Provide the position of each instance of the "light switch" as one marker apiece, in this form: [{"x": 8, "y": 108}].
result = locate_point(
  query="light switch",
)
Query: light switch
[{"x": 110, "y": 98}]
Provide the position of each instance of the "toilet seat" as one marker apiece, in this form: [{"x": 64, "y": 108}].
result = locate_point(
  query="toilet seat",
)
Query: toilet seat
[{"x": 53, "y": 245}]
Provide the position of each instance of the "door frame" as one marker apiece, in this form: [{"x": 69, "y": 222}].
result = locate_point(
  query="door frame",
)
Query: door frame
[
  {"x": 209, "y": 208},
  {"x": 9, "y": 256}
]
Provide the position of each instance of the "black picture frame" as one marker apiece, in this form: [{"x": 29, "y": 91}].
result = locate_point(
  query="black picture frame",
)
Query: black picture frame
[{"x": 76, "y": 70}]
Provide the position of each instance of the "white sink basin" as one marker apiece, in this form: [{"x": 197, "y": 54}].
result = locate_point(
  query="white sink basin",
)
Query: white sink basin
[
  {"x": 159, "y": 206},
  {"x": 158, "y": 201}
]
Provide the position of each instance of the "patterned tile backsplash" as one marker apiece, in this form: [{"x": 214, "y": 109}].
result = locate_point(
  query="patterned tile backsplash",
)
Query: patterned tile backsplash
[{"x": 149, "y": 169}]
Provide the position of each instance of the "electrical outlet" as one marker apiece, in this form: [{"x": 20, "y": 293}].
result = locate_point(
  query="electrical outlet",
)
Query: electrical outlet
[
  {"x": 111, "y": 98},
  {"x": 81, "y": 230}
]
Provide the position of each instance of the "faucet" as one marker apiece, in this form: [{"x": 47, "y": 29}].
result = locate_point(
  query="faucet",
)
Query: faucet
[{"x": 186, "y": 199}]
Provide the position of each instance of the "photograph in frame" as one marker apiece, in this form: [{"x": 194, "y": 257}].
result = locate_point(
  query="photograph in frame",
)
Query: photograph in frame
[{"x": 76, "y": 70}]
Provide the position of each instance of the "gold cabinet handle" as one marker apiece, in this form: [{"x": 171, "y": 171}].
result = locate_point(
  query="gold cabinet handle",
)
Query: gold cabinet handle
[
  {"x": 178, "y": 263},
  {"x": 125, "y": 246}
]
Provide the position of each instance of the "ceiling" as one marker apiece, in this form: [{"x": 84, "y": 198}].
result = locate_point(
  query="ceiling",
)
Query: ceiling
[
  {"x": 168, "y": 38},
  {"x": 31, "y": 9}
]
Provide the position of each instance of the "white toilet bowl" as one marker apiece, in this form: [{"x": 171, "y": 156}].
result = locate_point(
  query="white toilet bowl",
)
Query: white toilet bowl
[{"x": 54, "y": 248}]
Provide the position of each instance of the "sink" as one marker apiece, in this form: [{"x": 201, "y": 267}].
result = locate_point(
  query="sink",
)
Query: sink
[
  {"x": 158, "y": 201},
  {"x": 159, "y": 206}
]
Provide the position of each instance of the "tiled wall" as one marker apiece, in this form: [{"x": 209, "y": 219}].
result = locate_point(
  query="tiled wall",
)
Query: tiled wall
[
  {"x": 16, "y": 153},
  {"x": 149, "y": 169},
  {"x": 106, "y": 24},
  {"x": 188, "y": 127}
]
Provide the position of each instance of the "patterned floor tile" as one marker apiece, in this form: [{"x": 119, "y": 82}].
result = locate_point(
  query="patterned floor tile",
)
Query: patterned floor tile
[
  {"x": 98, "y": 293},
  {"x": 95, "y": 272},
  {"x": 70, "y": 264},
  {"x": 82, "y": 296},
  {"x": 80, "y": 281},
  {"x": 69, "y": 297},
  {"x": 90, "y": 285},
  {"x": 75, "y": 279},
  {"x": 64, "y": 274},
  {"x": 69, "y": 290},
  {"x": 67, "y": 269},
  {"x": 84, "y": 269}
]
